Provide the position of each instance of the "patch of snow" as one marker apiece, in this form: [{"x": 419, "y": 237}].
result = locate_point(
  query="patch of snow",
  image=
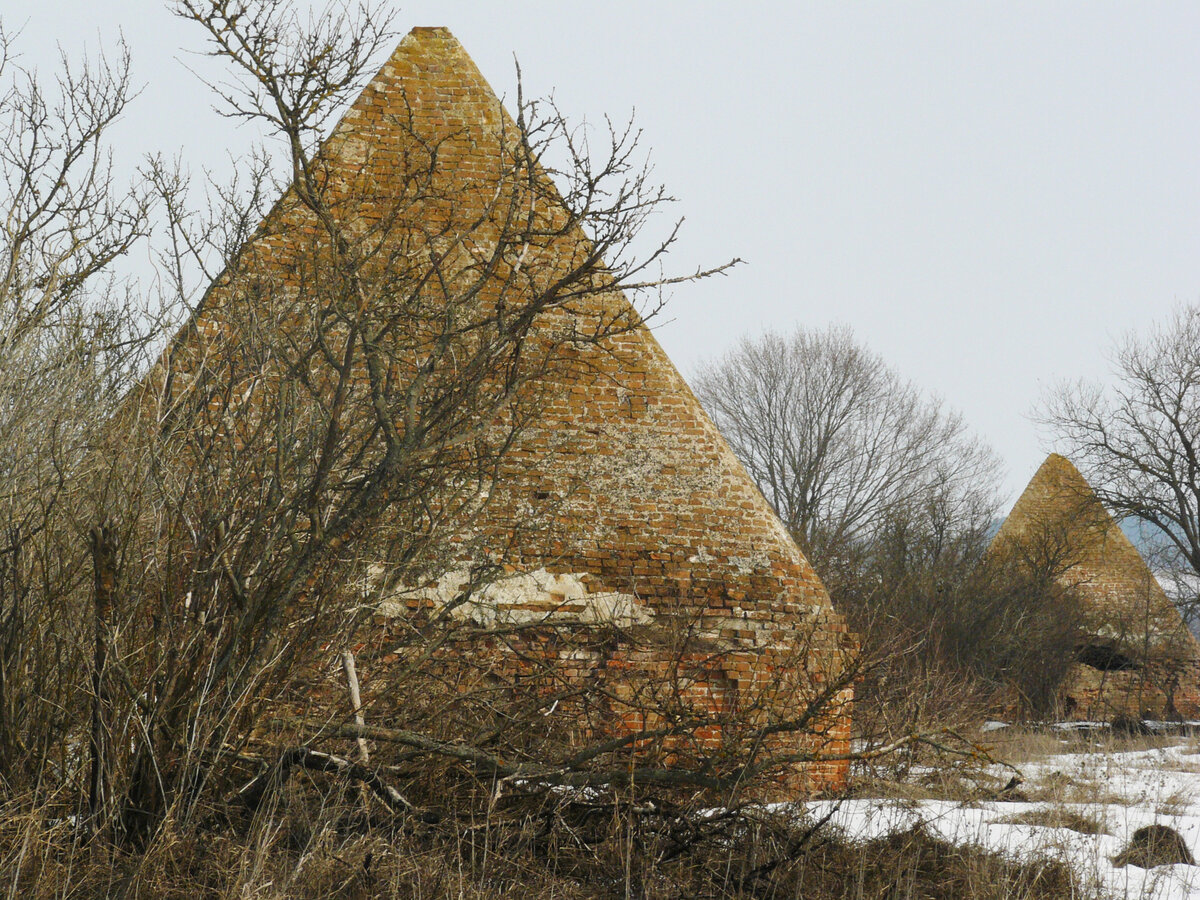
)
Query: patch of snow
[{"x": 1121, "y": 792}]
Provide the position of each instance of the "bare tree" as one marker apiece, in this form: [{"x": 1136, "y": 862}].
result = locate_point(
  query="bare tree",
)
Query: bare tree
[
  {"x": 838, "y": 441},
  {"x": 1137, "y": 439},
  {"x": 70, "y": 336}
]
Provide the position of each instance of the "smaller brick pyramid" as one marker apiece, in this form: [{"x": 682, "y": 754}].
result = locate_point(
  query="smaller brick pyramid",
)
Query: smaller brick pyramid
[{"x": 1140, "y": 658}]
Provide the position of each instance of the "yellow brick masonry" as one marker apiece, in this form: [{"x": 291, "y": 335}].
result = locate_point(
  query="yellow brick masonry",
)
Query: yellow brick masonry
[{"x": 649, "y": 501}]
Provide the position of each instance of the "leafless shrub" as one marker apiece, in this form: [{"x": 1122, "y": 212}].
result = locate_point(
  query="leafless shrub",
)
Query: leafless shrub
[{"x": 70, "y": 337}]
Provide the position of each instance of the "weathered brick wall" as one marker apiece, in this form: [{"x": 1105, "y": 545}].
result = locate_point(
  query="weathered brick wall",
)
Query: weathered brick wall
[
  {"x": 645, "y": 520},
  {"x": 1126, "y": 610},
  {"x": 1149, "y": 692},
  {"x": 646, "y": 681}
]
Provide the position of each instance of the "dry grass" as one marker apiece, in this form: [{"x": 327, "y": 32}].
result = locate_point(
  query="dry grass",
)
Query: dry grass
[
  {"x": 319, "y": 841},
  {"x": 958, "y": 785},
  {"x": 1020, "y": 745},
  {"x": 1176, "y": 803},
  {"x": 1056, "y": 817},
  {"x": 1063, "y": 789},
  {"x": 543, "y": 849},
  {"x": 914, "y": 864}
]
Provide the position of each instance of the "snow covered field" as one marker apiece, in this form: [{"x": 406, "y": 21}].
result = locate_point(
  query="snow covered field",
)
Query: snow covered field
[{"x": 1110, "y": 793}]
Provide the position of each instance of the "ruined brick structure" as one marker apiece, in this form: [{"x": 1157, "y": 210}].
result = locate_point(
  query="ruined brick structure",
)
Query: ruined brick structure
[
  {"x": 647, "y": 523},
  {"x": 1139, "y": 659}
]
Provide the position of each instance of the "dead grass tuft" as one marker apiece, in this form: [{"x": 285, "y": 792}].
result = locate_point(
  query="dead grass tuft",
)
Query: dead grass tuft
[
  {"x": 914, "y": 864},
  {"x": 1022, "y": 745},
  {"x": 1056, "y": 817}
]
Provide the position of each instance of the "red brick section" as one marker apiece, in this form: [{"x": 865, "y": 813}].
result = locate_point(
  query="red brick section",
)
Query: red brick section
[
  {"x": 1125, "y": 607},
  {"x": 649, "y": 504}
]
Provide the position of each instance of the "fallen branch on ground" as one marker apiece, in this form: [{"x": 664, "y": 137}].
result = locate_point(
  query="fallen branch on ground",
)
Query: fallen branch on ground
[{"x": 255, "y": 791}]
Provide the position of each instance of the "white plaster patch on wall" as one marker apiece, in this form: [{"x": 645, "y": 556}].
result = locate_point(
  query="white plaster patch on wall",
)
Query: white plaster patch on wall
[
  {"x": 523, "y": 598},
  {"x": 747, "y": 565}
]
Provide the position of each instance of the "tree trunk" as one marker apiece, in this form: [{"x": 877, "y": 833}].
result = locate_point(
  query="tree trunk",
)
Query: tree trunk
[{"x": 104, "y": 555}]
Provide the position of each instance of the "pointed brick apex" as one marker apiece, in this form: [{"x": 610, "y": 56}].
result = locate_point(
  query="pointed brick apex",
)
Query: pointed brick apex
[{"x": 1059, "y": 497}]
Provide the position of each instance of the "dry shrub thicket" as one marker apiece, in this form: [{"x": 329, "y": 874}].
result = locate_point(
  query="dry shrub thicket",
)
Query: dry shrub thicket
[
  {"x": 894, "y": 502},
  {"x": 190, "y": 540},
  {"x": 962, "y": 634}
]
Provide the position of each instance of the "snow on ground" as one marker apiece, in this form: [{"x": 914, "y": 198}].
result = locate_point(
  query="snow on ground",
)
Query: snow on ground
[{"x": 1117, "y": 791}]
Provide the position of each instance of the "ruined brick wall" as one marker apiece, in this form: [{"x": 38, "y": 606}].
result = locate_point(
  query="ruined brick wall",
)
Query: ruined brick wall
[
  {"x": 646, "y": 522},
  {"x": 1127, "y": 613}
]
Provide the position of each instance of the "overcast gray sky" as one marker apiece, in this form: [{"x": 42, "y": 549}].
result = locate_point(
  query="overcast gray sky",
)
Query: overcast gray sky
[{"x": 987, "y": 193}]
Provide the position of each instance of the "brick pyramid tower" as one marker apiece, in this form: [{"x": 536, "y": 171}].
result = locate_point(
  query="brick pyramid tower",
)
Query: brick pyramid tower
[
  {"x": 1140, "y": 658},
  {"x": 647, "y": 520}
]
